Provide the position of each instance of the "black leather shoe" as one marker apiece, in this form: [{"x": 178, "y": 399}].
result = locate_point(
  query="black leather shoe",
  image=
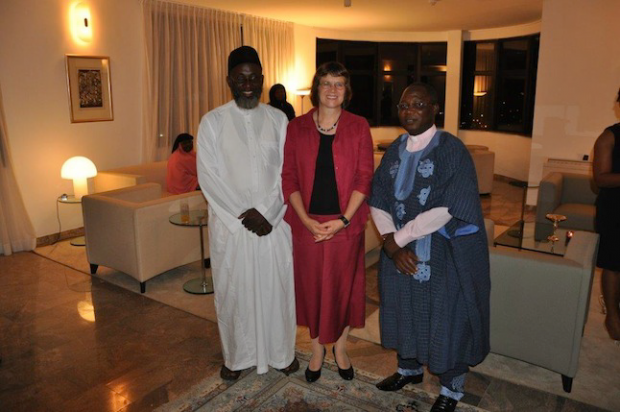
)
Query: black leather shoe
[
  {"x": 313, "y": 376},
  {"x": 398, "y": 381},
  {"x": 346, "y": 374},
  {"x": 229, "y": 375},
  {"x": 292, "y": 368},
  {"x": 444, "y": 404}
]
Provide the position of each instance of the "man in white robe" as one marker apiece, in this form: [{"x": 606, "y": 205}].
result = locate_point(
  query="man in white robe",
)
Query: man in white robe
[{"x": 239, "y": 160}]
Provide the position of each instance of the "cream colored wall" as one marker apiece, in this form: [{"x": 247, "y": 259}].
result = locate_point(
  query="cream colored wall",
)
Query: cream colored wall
[
  {"x": 578, "y": 78},
  {"x": 35, "y": 36}
]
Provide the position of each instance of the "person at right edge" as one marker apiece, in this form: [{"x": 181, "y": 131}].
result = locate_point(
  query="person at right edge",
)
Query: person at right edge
[
  {"x": 607, "y": 178},
  {"x": 434, "y": 277}
]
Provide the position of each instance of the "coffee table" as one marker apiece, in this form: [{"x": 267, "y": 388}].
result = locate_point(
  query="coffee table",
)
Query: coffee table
[
  {"x": 521, "y": 236},
  {"x": 197, "y": 218}
]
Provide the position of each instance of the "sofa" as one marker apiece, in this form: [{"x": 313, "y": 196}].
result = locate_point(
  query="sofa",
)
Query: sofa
[
  {"x": 539, "y": 304},
  {"x": 128, "y": 229},
  {"x": 126, "y": 223},
  {"x": 154, "y": 172},
  {"x": 569, "y": 194}
]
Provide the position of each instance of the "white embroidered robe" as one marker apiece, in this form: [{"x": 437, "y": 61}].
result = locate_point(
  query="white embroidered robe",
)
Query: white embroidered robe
[{"x": 240, "y": 154}]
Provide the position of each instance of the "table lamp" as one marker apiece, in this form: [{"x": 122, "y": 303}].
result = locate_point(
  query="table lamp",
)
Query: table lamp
[{"x": 78, "y": 168}]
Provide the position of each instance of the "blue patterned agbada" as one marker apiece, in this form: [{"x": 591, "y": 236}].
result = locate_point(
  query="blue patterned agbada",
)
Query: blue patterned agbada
[{"x": 440, "y": 315}]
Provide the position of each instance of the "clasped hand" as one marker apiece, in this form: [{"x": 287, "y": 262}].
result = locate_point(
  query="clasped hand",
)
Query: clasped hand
[
  {"x": 255, "y": 222},
  {"x": 404, "y": 259},
  {"x": 324, "y": 231}
]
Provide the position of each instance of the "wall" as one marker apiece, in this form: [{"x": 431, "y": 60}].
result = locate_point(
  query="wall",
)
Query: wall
[
  {"x": 578, "y": 78},
  {"x": 35, "y": 37}
]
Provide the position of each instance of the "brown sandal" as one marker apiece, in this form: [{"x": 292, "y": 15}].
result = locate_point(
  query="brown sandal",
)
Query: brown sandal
[{"x": 292, "y": 368}]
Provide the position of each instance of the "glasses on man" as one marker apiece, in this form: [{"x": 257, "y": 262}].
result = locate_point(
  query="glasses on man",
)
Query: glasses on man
[
  {"x": 252, "y": 79},
  {"x": 328, "y": 85},
  {"x": 414, "y": 105}
]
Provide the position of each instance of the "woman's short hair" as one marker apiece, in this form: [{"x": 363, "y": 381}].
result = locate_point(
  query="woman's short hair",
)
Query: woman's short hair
[
  {"x": 181, "y": 138},
  {"x": 334, "y": 69}
]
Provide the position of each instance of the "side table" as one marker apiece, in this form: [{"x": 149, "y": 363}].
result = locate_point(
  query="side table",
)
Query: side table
[
  {"x": 197, "y": 218},
  {"x": 71, "y": 200}
]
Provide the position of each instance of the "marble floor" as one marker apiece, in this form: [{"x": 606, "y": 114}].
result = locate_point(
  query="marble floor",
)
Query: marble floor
[{"x": 70, "y": 342}]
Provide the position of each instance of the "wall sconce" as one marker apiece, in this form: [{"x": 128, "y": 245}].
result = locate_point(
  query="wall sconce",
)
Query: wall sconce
[
  {"x": 303, "y": 93},
  {"x": 81, "y": 23},
  {"x": 78, "y": 169}
]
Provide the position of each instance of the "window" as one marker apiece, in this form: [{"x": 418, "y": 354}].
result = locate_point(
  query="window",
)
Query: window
[
  {"x": 381, "y": 71},
  {"x": 498, "y": 84}
]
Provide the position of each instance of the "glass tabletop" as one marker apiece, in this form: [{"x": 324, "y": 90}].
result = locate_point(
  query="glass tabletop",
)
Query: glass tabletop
[
  {"x": 68, "y": 199},
  {"x": 195, "y": 218},
  {"x": 523, "y": 238}
]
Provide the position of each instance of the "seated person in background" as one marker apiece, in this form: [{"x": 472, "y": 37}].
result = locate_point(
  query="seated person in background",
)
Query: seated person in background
[
  {"x": 182, "y": 176},
  {"x": 277, "y": 99}
]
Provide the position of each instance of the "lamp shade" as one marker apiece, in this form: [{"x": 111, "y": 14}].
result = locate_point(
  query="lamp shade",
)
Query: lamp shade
[{"x": 78, "y": 168}]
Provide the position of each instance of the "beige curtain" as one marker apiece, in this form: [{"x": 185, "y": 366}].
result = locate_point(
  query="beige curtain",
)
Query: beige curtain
[
  {"x": 187, "y": 49},
  {"x": 16, "y": 231},
  {"x": 275, "y": 45}
]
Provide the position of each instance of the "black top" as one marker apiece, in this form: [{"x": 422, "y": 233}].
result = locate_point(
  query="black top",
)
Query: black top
[
  {"x": 286, "y": 107},
  {"x": 324, "y": 200}
]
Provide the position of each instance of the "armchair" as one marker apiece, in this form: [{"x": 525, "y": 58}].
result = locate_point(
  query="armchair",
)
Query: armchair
[
  {"x": 539, "y": 304},
  {"x": 568, "y": 194},
  {"x": 128, "y": 229},
  {"x": 484, "y": 162}
]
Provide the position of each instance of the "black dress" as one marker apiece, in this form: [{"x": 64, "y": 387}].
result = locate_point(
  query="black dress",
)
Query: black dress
[{"x": 608, "y": 214}]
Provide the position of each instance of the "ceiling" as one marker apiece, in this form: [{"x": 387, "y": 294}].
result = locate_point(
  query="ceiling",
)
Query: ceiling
[{"x": 389, "y": 15}]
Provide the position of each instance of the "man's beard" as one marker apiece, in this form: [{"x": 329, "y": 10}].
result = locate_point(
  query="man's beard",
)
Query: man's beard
[{"x": 246, "y": 102}]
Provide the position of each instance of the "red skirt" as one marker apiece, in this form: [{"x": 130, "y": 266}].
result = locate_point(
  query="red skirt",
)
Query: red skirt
[{"x": 330, "y": 283}]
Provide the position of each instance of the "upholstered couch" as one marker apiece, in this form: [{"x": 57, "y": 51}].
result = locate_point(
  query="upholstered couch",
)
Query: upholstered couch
[
  {"x": 154, "y": 172},
  {"x": 568, "y": 194},
  {"x": 129, "y": 230},
  {"x": 539, "y": 303}
]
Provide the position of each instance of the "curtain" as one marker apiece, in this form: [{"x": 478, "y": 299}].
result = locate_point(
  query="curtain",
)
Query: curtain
[
  {"x": 16, "y": 230},
  {"x": 186, "y": 64},
  {"x": 273, "y": 40}
]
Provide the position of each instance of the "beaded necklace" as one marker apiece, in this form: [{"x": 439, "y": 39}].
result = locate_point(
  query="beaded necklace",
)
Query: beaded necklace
[{"x": 320, "y": 129}]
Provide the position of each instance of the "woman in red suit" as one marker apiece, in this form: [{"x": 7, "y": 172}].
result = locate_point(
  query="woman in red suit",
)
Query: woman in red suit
[{"x": 326, "y": 177}]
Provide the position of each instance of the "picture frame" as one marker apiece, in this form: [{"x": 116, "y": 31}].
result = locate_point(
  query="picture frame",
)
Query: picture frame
[{"x": 89, "y": 86}]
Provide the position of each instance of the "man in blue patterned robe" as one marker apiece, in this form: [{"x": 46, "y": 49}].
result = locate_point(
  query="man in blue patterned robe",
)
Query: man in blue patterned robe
[{"x": 434, "y": 269}]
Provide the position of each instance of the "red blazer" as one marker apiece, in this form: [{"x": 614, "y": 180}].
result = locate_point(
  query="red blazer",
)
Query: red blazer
[{"x": 353, "y": 163}]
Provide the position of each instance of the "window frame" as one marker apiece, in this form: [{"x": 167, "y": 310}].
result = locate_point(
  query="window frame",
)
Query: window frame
[{"x": 497, "y": 75}]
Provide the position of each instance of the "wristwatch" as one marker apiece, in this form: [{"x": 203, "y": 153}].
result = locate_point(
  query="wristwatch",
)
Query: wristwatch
[{"x": 344, "y": 220}]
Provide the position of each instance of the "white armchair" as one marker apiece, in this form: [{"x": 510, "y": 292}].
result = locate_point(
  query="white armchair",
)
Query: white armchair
[{"x": 129, "y": 230}]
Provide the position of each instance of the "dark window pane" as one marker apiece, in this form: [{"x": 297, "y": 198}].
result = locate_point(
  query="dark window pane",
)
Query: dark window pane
[
  {"x": 363, "y": 99},
  {"x": 433, "y": 57},
  {"x": 326, "y": 51},
  {"x": 514, "y": 55},
  {"x": 359, "y": 56},
  {"x": 391, "y": 89},
  {"x": 439, "y": 83},
  {"x": 397, "y": 57},
  {"x": 325, "y": 57},
  {"x": 485, "y": 56},
  {"x": 511, "y": 104},
  {"x": 482, "y": 107}
]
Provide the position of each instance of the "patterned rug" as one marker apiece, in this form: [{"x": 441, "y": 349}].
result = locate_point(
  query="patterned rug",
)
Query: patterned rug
[{"x": 274, "y": 391}]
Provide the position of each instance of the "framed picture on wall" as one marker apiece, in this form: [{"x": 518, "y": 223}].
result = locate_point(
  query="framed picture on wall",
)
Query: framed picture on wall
[{"x": 90, "y": 88}]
